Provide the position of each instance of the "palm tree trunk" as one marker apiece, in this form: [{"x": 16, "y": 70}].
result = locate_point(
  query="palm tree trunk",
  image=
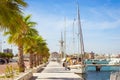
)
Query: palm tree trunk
[
  {"x": 21, "y": 59},
  {"x": 38, "y": 59},
  {"x": 35, "y": 60},
  {"x": 31, "y": 59},
  {"x": 41, "y": 59}
]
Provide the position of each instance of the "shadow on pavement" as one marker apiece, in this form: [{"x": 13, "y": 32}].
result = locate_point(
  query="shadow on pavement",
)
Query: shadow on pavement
[
  {"x": 33, "y": 78},
  {"x": 40, "y": 70},
  {"x": 60, "y": 78}
]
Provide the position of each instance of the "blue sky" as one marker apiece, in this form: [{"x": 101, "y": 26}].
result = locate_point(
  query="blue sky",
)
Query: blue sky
[{"x": 100, "y": 21}]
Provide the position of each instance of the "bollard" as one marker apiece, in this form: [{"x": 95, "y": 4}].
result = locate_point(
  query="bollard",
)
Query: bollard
[{"x": 98, "y": 68}]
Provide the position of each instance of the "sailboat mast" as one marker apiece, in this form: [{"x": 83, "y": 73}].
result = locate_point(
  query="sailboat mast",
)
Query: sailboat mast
[
  {"x": 65, "y": 38},
  {"x": 73, "y": 37},
  {"x": 61, "y": 46},
  {"x": 80, "y": 35}
]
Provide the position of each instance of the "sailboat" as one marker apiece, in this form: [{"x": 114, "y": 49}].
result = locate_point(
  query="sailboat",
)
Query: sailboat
[{"x": 80, "y": 67}]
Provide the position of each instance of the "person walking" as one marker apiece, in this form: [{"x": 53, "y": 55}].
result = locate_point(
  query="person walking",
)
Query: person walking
[{"x": 67, "y": 63}]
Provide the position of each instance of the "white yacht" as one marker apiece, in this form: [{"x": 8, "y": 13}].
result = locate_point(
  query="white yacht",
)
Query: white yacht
[{"x": 114, "y": 61}]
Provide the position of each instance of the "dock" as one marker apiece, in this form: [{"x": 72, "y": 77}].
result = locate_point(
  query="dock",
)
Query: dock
[
  {"x": 55, "y": 71},
  {"x": 102, "y": 64}
]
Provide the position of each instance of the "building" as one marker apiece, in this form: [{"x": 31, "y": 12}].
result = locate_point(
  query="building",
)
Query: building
[
  {"x": 91, "y": 55},
  {"x": 7, "y": 50},
  {"x": 54, "y": 55}
]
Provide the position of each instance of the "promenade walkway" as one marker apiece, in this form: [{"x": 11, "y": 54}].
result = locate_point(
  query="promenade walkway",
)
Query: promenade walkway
[{"x": 54, "y": 71}]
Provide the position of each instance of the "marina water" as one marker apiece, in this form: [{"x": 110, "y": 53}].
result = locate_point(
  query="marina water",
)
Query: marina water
[{"x": 104, "y": 74}]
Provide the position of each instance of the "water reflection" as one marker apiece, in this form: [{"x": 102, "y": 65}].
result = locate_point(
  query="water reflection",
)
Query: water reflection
[
  {"x": 93, "y": 75},
  {"x": 104, "y": 74}
]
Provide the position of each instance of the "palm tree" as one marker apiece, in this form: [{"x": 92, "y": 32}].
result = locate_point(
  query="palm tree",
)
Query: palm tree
[
  {"x": 18, "y": 39},
  {"x": 21, "y": 38},
  {"x": 31, "y": 36},
  {"x": 29, "y": 48},
  {"x": 39, "y": 48},
  {"x": 30, "y": 33},
  {"x": 34, "y": 50},
  {"x": 11, "y": 14},
  {"x": 42, "y": 50},
  {"x": 11, "y": 20},
  {"x": 45, "y": 54}
]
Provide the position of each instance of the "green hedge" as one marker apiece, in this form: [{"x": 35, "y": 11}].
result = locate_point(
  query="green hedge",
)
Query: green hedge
[{"x": 6, "y": 55}]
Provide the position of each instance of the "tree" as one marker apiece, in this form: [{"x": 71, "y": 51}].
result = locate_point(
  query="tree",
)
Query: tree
[
  {"x": 44, "y": 51},
  {"x": 29, "y": 48},
  {"x": 11, "y": 14},
  {"x": 2, "y": 55},
  {"x": 45, "y": 54},
  {"x": 20, "y": 38},
  {"x": 9, "y": 55},
  {"x": 33, "y": 49},
  {"x": 30, "y": 36},
  {"x": 11, "y": 20},
  {"x": 6, "y": 56},
  {"x": 39, "y": 48}
]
